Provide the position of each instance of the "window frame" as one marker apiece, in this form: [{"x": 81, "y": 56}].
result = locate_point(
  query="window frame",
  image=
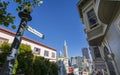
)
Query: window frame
[
  {"x": 35, "y": 52},
  {"x": 46, "y": 53},
  {"x": 53, "y": 55},
  {"x": 93, "y": 15}
]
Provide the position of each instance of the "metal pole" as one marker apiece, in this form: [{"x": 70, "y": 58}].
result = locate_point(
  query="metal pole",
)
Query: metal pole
[{"x": 9, "y": 64}]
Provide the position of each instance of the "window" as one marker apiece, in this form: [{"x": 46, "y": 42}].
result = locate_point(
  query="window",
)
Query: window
[
  {"x": 53, "y": 55},
  {"x": 46, "y": 53},
  {"x": 36, "y": 50},
  {"x": 97, "y": 52},
  {"x": 92, "y": 19}
]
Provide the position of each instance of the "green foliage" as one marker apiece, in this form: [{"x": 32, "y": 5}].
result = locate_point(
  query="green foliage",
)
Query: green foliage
[
  {"x": 13, "y": 26},
  {"x": 15, "y": 67},
  {"x": 28, "y": 64},
  {"x": 6, "y": 18},
  {"x": 30, "y": 2},
  {"x": 38, "y": 65},
  {"x": 53, "y": 69},
  {"x": 4, "y": 51},
  {"x": 25, "y": 58},
  {"x": 42, "y": 66}
]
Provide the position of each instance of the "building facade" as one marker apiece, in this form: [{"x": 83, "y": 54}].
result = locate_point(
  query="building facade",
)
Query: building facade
[
  {"x": 102, "y": 21},
  {"x": 37, "y": 48}
]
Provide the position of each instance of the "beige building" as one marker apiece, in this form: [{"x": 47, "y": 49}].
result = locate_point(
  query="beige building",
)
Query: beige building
[
  {"x": 37, "y": 48},
  {"x": 102, "y": 27}
]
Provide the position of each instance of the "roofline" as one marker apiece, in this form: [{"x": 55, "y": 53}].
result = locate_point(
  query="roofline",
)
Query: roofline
[{"x": 24, "y": 38}]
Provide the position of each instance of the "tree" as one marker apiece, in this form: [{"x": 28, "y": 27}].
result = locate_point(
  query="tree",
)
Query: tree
[
  {"x": 39, "y": 66},
  {"x": 25, "y": 58},
  {"x": 53, "y": 68},
  {"x": 23, "y": 63},
  {"x": 6, "y": 18},
  {"x": 42, "y": 66},
  {"x": 27, "y": 63},
  {"x": 4, "y": 51}
]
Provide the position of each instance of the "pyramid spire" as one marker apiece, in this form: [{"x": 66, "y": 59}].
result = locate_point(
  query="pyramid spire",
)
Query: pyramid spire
[{"x": 65, "y": 50}]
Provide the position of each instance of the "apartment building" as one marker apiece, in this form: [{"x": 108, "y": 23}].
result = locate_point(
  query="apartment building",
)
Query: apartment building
[
  {"x": 37, "y": 48},
  {"x": 102, "y": 27}
]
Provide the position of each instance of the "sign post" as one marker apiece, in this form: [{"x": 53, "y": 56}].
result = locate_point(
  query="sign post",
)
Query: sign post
[{"x": 9, "y": 64}]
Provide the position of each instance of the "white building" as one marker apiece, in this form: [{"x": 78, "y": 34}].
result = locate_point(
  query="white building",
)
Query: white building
[
  {"x": 37, "y": 48},
  {"x": 102, "y": 22}
]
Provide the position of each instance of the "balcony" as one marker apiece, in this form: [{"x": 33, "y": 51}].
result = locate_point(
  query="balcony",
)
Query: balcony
[
  {"x": 95, "y": 35},
  {"x": 107, "y": 10}
]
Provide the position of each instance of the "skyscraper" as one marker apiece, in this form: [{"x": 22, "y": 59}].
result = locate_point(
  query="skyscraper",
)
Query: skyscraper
[
  {"x": 63, "y": 62},
  {"x": 85, "y": 53},
  {"x": 66, "y": 56},
  {"x": 65, "y": 50}
]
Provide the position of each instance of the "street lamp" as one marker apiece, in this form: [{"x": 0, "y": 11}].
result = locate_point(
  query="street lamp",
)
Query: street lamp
[{"x": 25, "y": 17}]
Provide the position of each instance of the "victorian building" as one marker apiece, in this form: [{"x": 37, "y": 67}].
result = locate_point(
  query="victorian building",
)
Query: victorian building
[{"x": 102, "y": 27}]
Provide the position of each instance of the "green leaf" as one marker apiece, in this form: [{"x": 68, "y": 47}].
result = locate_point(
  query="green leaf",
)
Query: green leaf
[
  {"x": 1, "y": 5},
  {"x": 15, "y": 67},
  {"x": 18, "y": 9},
  {"x": 6, "y": 24},
  {"x": 13, "y": 26},
  {"x": 18, "y": 1}
]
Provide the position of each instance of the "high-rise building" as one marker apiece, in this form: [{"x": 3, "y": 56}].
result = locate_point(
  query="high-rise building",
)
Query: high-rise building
[
  {"x": 85, "y": 53},
  {"x": 65, "y": 50},
  {"x": 66, "y": 57}
]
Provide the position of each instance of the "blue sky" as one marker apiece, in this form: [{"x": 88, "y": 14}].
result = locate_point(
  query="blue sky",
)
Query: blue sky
[{"x": 58, "y": 20}]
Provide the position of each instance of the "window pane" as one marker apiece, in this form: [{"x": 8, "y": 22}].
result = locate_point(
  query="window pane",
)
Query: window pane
[
  {"x": 46, "y": 53},
  {"x": 36, "y": 50},
  {"x": 53, "y": 55},
  {"x": 92, "y": 18},
  {"x": 90, "y": 13}
]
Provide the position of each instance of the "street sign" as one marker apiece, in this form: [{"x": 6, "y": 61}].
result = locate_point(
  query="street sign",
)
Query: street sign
[{"x": 35, "y": 32}]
